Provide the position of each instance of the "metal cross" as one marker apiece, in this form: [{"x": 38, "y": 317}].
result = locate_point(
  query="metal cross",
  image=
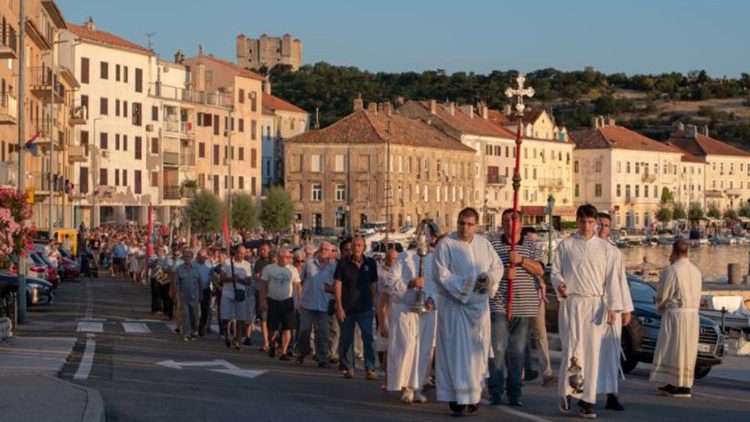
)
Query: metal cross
[{"x": 520, "y": 93}]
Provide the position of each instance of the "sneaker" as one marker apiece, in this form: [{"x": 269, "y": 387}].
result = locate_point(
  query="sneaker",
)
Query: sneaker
[
  {"x": 585, "y": 410},
  {"x": 496, "y": 401},
  {"x": 333, "y": 360},
  {"x": 300, "y": 360},
  {"x": 348, "y": 374},
  {"x": 325, "y": 365},
  {"x": 407, "y": 397},
  {"x": 549, "y": 380},
  {"x": 667, "y": 389},
  {"x": 284, "y": 357},
  {"x": 419, "y": 397},
  {"x": 564, "y": 404},
  {"x": 514, "y": 402},
  {"x": 192, "y": 337},
  {"x": 185, "y": 338},
  {"x": 371, "y": 375},
  {"x": 530, "y": 375},
  {"x": 613, "y": 403},
  {"x": 247, "y": 341},
  {"x": 681, "y": 392}
]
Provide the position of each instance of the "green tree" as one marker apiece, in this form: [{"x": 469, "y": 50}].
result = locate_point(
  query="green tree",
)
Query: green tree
[
  {"x": 744, "y": 211},
  {"x": 678, "y": 211},
  {"x": 204, "y": 212},
  {"x": 730, "y": 214},
  {"x": 713, "y": 211},
  {"x": 696, "y": 212},
  {"x": 666, "y": 195},
  {"x": 244, "y": 212},
  {"x": 277, "y": 210},
  {"x": 664, "y": 214}
]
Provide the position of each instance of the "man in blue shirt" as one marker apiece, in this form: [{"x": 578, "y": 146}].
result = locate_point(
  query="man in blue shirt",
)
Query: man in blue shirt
[{"x": 205, "y": 270}]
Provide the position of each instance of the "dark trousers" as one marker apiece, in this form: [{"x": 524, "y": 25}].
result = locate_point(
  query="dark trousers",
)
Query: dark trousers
[
  {"x": 156, "y": 301},
  {"x": 167, "y": 303},
  {"x": 364, "y": 320},
  {"x": 205, "y": 323}
]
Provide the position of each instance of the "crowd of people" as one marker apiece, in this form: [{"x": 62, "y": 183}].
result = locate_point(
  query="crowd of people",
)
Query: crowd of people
[{"x": 452, "y": 313}]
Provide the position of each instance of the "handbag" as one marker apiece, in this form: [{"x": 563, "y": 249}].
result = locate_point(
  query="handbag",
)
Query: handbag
[{"x": 239, "y": 294}]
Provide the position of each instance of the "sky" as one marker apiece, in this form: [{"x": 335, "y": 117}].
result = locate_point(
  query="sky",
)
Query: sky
[{"x": 630, "y": 36}]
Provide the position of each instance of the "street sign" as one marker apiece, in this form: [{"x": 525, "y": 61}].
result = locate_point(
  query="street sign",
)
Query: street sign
[{"x": 227, "y": 368}]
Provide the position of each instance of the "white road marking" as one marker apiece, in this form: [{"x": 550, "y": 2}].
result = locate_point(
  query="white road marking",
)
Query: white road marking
[
  {"x": 514, "y": 412},
  {"x": 245, "y": 373},
  {"x": 229, "y": 368},
  {"x": 87, "y": 361},
  {"x": 90, "y": 327},
  {"x": 171, "y": 326},
  {"x": 135, "y": 327}
]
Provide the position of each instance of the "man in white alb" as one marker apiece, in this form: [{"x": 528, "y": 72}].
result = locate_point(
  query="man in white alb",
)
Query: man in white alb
[
  {"x": 582, "y": 266},
  {"x": 467, "y": 272}
]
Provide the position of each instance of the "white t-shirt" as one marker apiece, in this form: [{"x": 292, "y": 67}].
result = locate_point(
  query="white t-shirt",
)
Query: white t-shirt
[
  {"x": 280, "y": 281},
  {"x": 242, "y": 270}
]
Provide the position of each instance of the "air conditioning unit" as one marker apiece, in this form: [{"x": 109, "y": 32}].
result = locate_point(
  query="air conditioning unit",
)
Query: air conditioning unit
[{"x": 149, "y": 128}]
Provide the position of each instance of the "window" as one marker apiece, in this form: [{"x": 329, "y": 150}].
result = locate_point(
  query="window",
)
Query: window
[
  {"x": 598, "y": 190},
  {"x": 124, "y": 109},
  {"x": 125, "y": 74},
  {"x": 117, "y": 141},
  {"x": 201, "y": 150},
  {"x": 84, "y": 70},
  {"x": 575, "y": 164},
  {"x": 315, "y": 163},
  {"x": 340, "y": 192},
  {"x": 83, "y": 177},
  {"x": 137, "y": 114},
  {"x": 124, "y": 177},
  {"x": 598, "y": 166},
  {"x": 253, "y": 157},
  {"x": 138, "y": 80},
  {"x": 637, "y": 191},
  {"x": 85, "y": 138},
  {"x": 103, "y": 140},
  {"x": 637, "y": 168},
  {"x": 154, "y": 114},
  {"x": 137, "y": 176},
  {"x": 241, "y": 183},
  {"x": 216, "y": 124},
  {"x": 577, "y": 190},
  {"x": 627, "y": 167},
  {"x": 216, "y": 184},
  {"x": 117, "y": 107},
  {"x": 645, "y": 191},
  {"x": 252, "y": 186},
  {"x": 253, "y": 102},
  {"x": 117, "y": 72},
  {"x": 85, "y": 104},
  {"x": 154, "y": 179},
  {"x": 103, "y": 109},
  {"x": 124, "y": 142},
  {"x": 618, "y": 191},
  {"x": 154, "y": 145},
  {"x": 138, "y": 148},
  {"x": 103, "y": 177},
  {"x": 340, "y": 163},
  {"x": 316, "y": 192},
  {"x": 241, "y": 125},
  {"x": 241, "y": 96},
  {"x": 117, "y": 177},
  {"x": 216, "y": 155},
  {"x": 104, "y": 70},
  {"x": 241, "y": 153},
  {"x": 253, "y": 129}
]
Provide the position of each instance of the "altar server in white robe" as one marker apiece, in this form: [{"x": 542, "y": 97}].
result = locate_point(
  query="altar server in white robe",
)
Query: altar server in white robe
[
  {"x": 467, "y": 272},
  {"x": 427, "y": 320},
  {"x": 402, "y": 328},
  {"x": 677, "y": 299},
  {"x": 582, "y": 267},
  {"x": 609, "y": 363}
]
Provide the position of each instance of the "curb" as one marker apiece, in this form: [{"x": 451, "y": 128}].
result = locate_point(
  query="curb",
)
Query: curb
[{"x": 94, "y": 410}]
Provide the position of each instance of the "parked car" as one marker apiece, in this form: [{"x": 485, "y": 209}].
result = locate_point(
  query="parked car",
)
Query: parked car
[
  {"x": 38, "y": 291},
  {"x": 52, "y": 274},
  {"x": 67, "y": 267},
  {"x": 34, "y": 269},
  {"x": 639, "y": 337}
]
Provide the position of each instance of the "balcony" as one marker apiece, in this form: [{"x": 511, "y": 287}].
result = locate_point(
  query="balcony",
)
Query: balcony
[
  {"x": 78, "y": 115},
  {"x": 496, "y": 179},
  {"x": 40, "y": 80},
  {"x": 185, "y": 95},
  {"x": 552, "y": 183},
  {"x": 648, "y": 178},
  {"x": 8, "y": 174},
  {"x": 734, "y": 192},
  {"x": 187, "y": 160},
  {"x": 40, "y": 182},
  {"x": 171, "y": 158},
  {"x": 172, "y": 192},
  {"x": 8, "y": 42},
  {"x": 179, "y": 127},
  {"x": 8, "y": 110},
  {"x": 713, "y": 193},
  {"x": 78, "y": 154}
]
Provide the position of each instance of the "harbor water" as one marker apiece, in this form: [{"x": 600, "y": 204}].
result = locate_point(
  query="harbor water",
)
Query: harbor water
[{"x": 711, "y": 260}]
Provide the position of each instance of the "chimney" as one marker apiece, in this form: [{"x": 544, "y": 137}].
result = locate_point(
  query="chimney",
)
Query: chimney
[
  {"x": 359, "y": 104},
  {"x": 372, "y": 107},
  {"x": 681, "y": 126},
  {"x": 317, "y": 118},
  {"x": 267, "y": 85},
  {"x": 400, "y": 100},
  {"x": 690, "y": 131},
  {"x": 200, "y": 49},
  {"x": 506, "y": 109},
  {"x": 609, "y": 121},
  {"x": 433, "y": 107},
  {"x": 386, "y": 108},
  {"x": 595, "y": 122},
  {"x": 468, "y": 109},
  {"x": 452, "y": 108},
  {"x": 179, "y": 57},
  {"x": 89, "y": 24},
  {"x": 705, "y": 130},
  {"x": 200, "y": 77}
]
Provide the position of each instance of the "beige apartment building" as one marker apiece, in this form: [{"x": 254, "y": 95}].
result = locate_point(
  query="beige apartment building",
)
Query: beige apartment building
[
  {"x": 268, "y": 51},
  {"x": 623, "y": 172},
  {"x": 341, "y": 177},
  {"x": 727, "y": 169}
]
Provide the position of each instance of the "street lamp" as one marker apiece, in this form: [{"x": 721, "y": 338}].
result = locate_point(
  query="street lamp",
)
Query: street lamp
[{"x": 550, "y": 205}]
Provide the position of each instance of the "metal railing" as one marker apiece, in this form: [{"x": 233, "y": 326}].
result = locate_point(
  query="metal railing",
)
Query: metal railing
[
  {"x": 171, "y": 158},
  {"x": 8, "y": 108},
  {"x": 496, "y": 179},
  {"x": 172, "y": 192},
  {"x": 183, "y": 128},
  {"x": 187, "y": 160},
  {"x": 648, "y": 178},
  {"x": 40, "y": 78},
  {"x": 8, "y": 174},
  {"x": 168, "y": 92},
  {"x": 9, "y": 39},
  {"x": 551, "y": 183}
]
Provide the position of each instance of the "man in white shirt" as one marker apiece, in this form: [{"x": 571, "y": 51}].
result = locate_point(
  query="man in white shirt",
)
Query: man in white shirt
[
  {"x": 235, "y": 274},
  {"x": 280, "y": 283}
]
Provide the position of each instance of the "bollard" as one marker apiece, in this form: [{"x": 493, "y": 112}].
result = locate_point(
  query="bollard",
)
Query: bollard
[{"x": 733, "y": 273}]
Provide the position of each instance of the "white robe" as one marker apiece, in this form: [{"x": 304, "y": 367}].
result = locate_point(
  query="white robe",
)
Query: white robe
[
  {"x": 403, "y": 327},
  {"x": 585, "y": 266},
  {"x": 609, "y": 362},
  {"x": 463, "y": 335},
  {"x": 678, "y": 299},
  {"x": 427, "y": 321}
]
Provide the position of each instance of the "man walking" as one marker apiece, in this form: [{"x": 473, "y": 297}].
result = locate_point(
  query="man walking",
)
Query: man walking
[
  {"x": 510, "y": 337},
  {"x": 280, "y": 282},
  {"x": 467, "y": 272},
  {"x": 356, "y": 278},
  {"x": 317, "y": 287},
  {"x": 677, "y": 299},
  {"x": 205, "y": 270},
  {"x": 187, "y": 281},
  {"x": 264, "y": 259},
  {"x": 584, "y": 272},
  {"x": 235, "y": 275}
]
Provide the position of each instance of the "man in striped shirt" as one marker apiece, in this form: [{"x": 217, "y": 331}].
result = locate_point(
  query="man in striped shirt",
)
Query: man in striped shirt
[{"x": 509, "y": 337}]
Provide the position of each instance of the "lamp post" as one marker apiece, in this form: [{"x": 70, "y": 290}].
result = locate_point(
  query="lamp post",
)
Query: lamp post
[{"x": 550, "y": 205}]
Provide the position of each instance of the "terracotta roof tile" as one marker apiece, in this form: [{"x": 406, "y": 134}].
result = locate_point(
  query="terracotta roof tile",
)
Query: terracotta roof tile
[
  {"x": 498, "y": 117},
  {"x": 275, "y": 103},
  {"x": 364, "y": 127},
  {"x": 462, "y": 122},
  {"x": 686, "y": 156},
  {"x": 105, "y": 38},
  {"x": 616, "y": 137},
  {"x": 239, "y": 69},
  {"x": 703, "y": 145}
]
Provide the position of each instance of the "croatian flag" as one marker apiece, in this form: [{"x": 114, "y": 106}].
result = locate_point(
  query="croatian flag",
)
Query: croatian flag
[{"x": 31, "y": 143}]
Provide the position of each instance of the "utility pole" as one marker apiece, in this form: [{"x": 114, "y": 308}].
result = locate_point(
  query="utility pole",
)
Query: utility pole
[
  {"x": 52, "y": 137},
  {"x": 94, "y": 174},
  {"x": 21, "y": 296},
  {"x": 230, "y": 156}
]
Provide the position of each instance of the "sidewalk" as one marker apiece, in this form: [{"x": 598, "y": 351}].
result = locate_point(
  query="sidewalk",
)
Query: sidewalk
[{"x": 30, "y": 389}]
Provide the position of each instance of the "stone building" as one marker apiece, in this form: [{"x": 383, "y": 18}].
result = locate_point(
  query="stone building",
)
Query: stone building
[
  {"x": 338, "y": 176},
  {"x": 269, "y": 51}
]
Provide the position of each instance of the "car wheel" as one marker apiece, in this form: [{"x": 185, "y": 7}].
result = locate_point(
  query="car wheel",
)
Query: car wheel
[
  {"x": 629, "y": 362},
  {"x": 702, "y": 371}
]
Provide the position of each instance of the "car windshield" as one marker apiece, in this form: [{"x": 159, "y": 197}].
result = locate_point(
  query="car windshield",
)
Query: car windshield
[
  {"x": 38, "y": 259},
  {"x": 642, "y": 292}
]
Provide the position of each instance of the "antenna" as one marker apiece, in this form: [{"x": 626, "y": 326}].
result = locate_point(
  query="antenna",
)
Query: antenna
[{"x": 150, "y": 35}]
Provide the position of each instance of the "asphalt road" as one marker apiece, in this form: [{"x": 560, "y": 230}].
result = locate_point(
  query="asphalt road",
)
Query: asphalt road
[{"x": 120, "y": 347}]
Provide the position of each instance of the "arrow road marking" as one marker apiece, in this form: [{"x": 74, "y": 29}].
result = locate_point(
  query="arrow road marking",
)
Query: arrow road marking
[
  {"x": 245, "y": 373},
  {"x": 229, "y": 368}
]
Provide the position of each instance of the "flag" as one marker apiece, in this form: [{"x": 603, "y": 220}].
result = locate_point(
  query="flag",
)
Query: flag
[
  {"x": 149, "y": 241},
  {"x": 31, "y": 143},
  {"x": 225, "y": 227}
]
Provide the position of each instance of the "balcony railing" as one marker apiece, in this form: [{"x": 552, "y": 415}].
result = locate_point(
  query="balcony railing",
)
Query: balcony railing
[
  {"x": 171, "y": 158},
  {"x": 8, "y": 109},
  {"x": 8, "y": 42},
  {"x": 172, "y": 192},
  {"x": 8, "y": 174},
  {"x": 180, "y": 94},
  {"x": 78, "y": 115},
  {"x": 183, "y": 128},
  {"x": 496, "y": 179},
  {"x": 40, "y": 80},
  {"x": 187, "y": 160},
  {"x": 78, "y": 153},
  {"x": 713, "y": 193},
  {"x": 551, "y": 183},
  {"x": 648, "y": 178},
  {"x": 734, "y": 192}
]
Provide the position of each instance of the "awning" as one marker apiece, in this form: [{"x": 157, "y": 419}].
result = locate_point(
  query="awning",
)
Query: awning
[
  {"x": 743, "y": 219},
  {"x": 541, "y": 211}
]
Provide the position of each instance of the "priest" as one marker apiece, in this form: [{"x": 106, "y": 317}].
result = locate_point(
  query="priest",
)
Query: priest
[
  {"x": 467, "y": 273},
  {"x": 582, "y": 271}
]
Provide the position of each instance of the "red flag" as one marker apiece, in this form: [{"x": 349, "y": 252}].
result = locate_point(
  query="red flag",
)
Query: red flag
[
  {"x": 225, "y": 227},
  {"x": 149, "y": 241}
]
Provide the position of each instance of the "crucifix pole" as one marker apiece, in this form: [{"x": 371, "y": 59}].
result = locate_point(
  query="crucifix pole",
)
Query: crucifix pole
[{"x": 519, "y": 93}]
